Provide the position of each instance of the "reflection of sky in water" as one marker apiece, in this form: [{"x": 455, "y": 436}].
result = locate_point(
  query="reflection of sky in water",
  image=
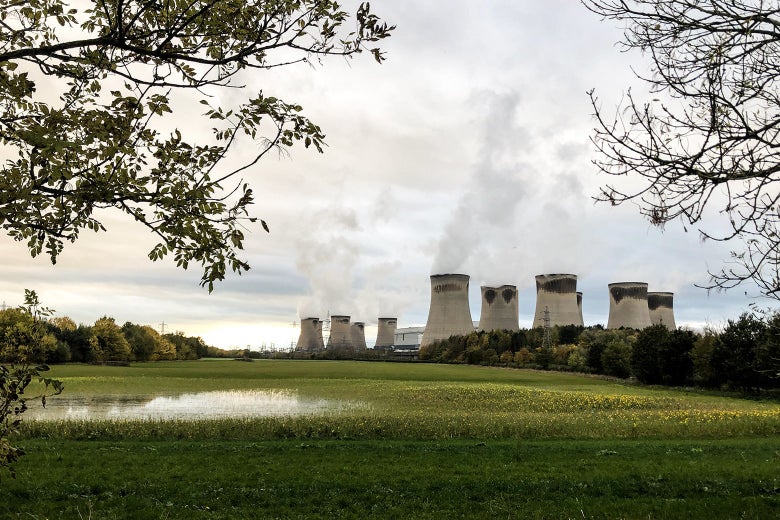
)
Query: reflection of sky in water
[{"x": 203, "y": 405}]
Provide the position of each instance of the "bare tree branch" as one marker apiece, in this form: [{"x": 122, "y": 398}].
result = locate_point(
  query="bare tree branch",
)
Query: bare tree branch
[{"x": 710, "y": 140}]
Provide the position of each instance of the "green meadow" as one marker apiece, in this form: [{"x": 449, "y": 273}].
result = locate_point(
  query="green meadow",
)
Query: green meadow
[{"x": 421, "y": 441}]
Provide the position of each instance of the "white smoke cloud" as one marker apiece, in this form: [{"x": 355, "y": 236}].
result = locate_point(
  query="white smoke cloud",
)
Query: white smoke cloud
[
  {"x": 521, "y": 212},
  {"x": 349, "y": 269},
  {"x": 494, "y": 191},
  {"x": 327, "y": 254}
]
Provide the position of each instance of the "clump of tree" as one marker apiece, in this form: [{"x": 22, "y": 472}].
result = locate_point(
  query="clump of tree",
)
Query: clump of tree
[
  {"x": 24, "y": 342},
  {"x": 187, "y": 347},
  {"x": 661, "y": 356},
  {"x": 744, "y": 356},
  {"x": 102, "y": 342},
  {"x": 509, "y": 348},
  {"x": 147, "y": 344}
]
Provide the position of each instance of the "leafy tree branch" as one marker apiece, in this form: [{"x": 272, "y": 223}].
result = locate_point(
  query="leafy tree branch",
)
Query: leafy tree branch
[{"x": 99, "y": 145}]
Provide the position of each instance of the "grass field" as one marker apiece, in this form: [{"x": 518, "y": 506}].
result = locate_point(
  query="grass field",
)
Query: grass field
[{"x": 434, "y": 441}]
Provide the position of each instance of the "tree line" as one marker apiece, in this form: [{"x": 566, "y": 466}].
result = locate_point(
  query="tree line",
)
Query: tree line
[
  {"x": 744, "y": 356},
  {"x": 62, "y": 340}
]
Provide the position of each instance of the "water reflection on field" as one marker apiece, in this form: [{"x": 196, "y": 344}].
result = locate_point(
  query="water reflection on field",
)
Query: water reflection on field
[{"x": 202, "y": 405}]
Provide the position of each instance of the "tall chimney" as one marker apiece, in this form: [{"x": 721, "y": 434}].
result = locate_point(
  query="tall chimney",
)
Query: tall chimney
[
  {"x": 579, "y": 307},
  {"x": 499, "y": 308},
  {"x": 340, "y": 333},
  {"x": 557, "y": 293},
  {"x": 661, "y": 306},
  {"x": 449, "y": 313},
  {"x": 385, "y": 334},
  {"x": 310, "y": 339},
  {"x": 628, "y": 305}
]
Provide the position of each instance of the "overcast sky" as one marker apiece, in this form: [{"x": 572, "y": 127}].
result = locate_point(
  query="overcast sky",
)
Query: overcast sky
[{"x": 466, "y": 151}]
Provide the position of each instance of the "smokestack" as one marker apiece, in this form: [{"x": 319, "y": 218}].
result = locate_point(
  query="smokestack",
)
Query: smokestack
[
  {"x": 499, "y": 308},
  {"x": 358, "y": 333},
  {"x": 385, "y": 334},
  {"x": 310, "y": 339},
  {"x": 579, "y": 307},
  {"x": 449, "y": 314},
  {"x": 558, "y": 294},
  {"x": 340, "y": 333},
  {"x": 628, "y": 305},
  {"x": 661, "y": 306}
]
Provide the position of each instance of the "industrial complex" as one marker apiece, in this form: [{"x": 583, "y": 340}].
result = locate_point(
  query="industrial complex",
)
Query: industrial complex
[{"x": 558, "y": 303}]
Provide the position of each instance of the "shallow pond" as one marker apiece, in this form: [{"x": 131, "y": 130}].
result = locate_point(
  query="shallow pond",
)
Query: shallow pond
[{"x": 202, "y": 405}]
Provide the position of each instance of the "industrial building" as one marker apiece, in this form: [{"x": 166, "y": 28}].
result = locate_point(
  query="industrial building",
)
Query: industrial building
[
  {"x": 661, "y": 307},
  {"x": 340, "y": 333},
  {"x": 449, "y": 313},
  {"x": 385, "y": 333},
  {"x": 310, "y": 338},
  {"x": 408, "y": 338},
  {"x": 556, "y": 295},
  {"x": 628, "y": 305},
  {"x": 358, "y": 333},
  {"x": 499, "y": 308}
]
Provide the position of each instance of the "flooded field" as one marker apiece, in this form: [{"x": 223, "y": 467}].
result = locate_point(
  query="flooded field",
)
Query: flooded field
[{"x": 201, "y": 405}]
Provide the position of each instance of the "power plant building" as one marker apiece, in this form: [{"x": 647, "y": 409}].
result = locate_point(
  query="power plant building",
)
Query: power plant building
[
  {"x": 499, "y": 308},
  {"x": 579, "y": 307},
  {"x": 661, "y": 307},
  {"x": 358, "y": 332},
  {"x": 408, "y": 338},
  {"x": 340, "y": 333},
  {"x": 385, "y": 334},
  {"x": 449, "y": 313},
  {"x": 310, "y": 338},
  {"x": 628, "y": 306},
  {"x": 557, "y": 294}
]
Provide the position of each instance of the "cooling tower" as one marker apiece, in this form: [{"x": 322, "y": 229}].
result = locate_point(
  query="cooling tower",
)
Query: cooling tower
[
  {"x": 449, "y": 313},
  {"x": 340, "y": 332},
  {"x": 385, "y": 334},
  {"x": 628, "y": 305},
  {"x": 358, "y": 332},
  {"x": 661, "y": 306},
  {"x": 579, "y": 307},
  {"x": 310, "y": 339},
  {"x": 319, "y": 334},
  {"x": 557, "y": 293},
  {"x": 499, "y": 308}
]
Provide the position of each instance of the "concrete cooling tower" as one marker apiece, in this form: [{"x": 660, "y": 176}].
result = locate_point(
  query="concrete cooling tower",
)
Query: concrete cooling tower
[
  {"x": 310, "y": 339},
  {"x": 558, "y": 294},
  {"x": 319, "y": 334},
  {"x": 385, "y": 334},
  {"x": 340, "y": 332},
  {"x": 661, "y": 306},
  {"x": 358, "y": 332},
  {"x": 579, "y": 307},
  {"x": 628, "y": 305},
  {"x": 499, "y": 308},
  {"x": 449, "y": 313}
]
